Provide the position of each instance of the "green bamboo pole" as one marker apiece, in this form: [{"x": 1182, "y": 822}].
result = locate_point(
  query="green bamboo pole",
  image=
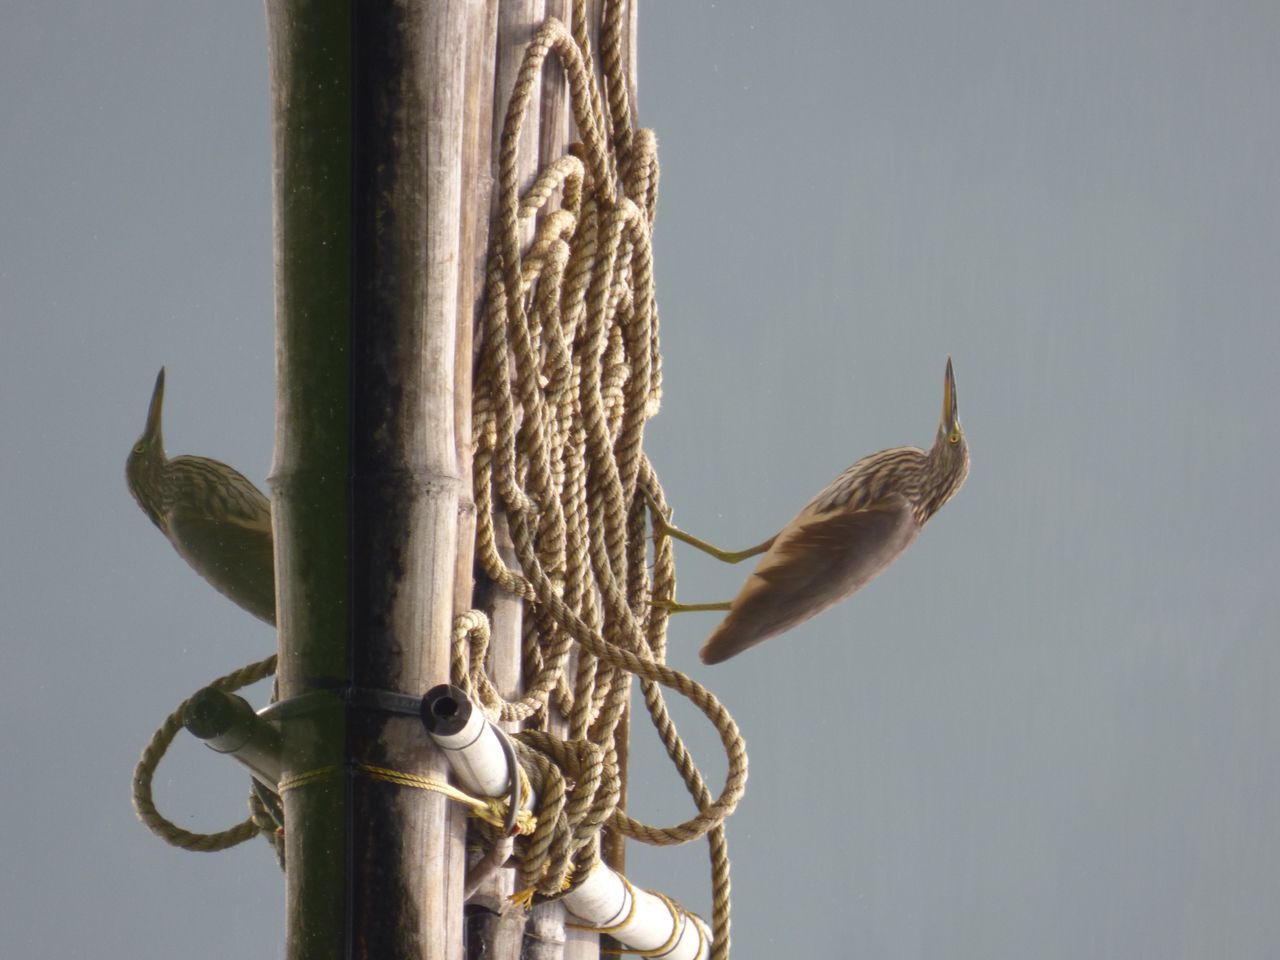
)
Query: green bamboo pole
[
  {"x": 367, "y": 113},
  {"x": 310, "y": 61}
]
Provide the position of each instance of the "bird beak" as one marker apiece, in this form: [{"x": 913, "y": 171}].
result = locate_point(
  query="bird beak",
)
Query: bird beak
[
  {"x": 950, "y": 415},
  {"x": 157, "y": 402}
]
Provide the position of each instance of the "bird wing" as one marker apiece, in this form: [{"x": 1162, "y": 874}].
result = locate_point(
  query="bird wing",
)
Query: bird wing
[
  {"x": 233, "y": 553},
  {"x": 816, "y": 561}
]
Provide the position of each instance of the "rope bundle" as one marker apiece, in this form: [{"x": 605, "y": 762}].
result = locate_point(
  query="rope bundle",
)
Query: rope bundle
[{"x": 569, "y": 372}]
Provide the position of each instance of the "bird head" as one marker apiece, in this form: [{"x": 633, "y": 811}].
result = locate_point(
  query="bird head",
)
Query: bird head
[
  {"x": 144, "y": 469},
  {"x": 949, "y": 457}
]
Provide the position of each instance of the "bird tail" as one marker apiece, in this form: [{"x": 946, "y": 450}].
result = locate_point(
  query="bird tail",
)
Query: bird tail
[{"x": 735, "y": 634}]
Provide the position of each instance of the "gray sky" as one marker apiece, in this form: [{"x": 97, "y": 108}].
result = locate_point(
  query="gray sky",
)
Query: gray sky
[{"x": 1047, "y": 731}]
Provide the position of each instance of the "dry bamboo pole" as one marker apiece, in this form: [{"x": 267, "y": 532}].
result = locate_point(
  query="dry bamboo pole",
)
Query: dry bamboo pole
[
  {"x": 554, "y": 121},
  {"x": 613, "y": 844},
  {"x": 631, "y": 30},
  {"x": 311, "y": 145},
  {"x": 498, "y": 931},
  {"x": 477, "y": 189},
  {"x": 406, "y": 888},
  {"x": 595, "y": 17},
  {"x": 483, "y": 929},
  {"x": 545, "y": 136},
  {"x": 547, "y": 937},
  {"x": 367, "y": 117}
]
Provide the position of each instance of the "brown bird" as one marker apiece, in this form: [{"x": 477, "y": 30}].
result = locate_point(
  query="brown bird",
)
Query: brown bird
[
  {"x": 216, "y": 519},
  {"x": 843, "y": 538}
]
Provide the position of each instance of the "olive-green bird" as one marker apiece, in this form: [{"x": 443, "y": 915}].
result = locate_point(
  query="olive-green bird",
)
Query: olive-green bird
[
  {"x": 216, "y": 519},
  {"x": 843, "y": 538}
]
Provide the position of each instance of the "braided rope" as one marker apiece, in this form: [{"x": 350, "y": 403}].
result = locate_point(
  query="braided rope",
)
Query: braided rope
[
  {"x": 568, "y": 374},
  {"x": 144, "y": 773}
]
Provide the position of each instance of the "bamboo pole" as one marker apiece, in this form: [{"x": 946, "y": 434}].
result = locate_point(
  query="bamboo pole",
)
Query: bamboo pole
[
  {"x": 546, "y": 936},
  {"x": 406, "y": 882},
  {"x": 554, "y": 122},
  {"x": 497, "y": 930},
  {"x": 545, "y": 136},
  {"x": 481, "y": 926},
  {"x": 613, "y": 844},
  {"x": 477, "y": 189},
  {"x": 309, "y": 52},
  {"x": 367, "y": 115}
]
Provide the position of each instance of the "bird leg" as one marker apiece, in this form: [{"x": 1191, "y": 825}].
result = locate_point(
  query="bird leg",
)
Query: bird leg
[
  {"x": 662, "y": 527},
  {"x": 674, "y": 606}
]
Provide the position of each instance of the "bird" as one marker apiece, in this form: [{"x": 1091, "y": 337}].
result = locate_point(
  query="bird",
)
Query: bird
[
  {"x": 843, "y": 538},
  {"x": 217, "y": 520}
]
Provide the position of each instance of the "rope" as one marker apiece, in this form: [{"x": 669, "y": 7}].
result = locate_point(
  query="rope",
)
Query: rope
[
  {"x": 492, "y": 810},
  {"x": 144, "y": 773},
  {"x": 568, "y": 374}
]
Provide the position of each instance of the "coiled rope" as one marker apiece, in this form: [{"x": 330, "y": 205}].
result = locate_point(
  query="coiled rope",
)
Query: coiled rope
[
  {"x": 144, "y": 773},
  {"x": 569, "y": 372},
  {"x": 568, "y": 375}
]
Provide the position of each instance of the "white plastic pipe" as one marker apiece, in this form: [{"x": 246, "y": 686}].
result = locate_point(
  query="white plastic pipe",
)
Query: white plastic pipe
[
  {"x": 476, "y": 755},
  {"x": 604, "y": 900}
]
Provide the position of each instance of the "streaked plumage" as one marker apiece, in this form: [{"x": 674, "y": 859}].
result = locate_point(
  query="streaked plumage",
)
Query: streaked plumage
[
  {"x": 845, "y": 536},
  {"x": 216, "y": 519}
]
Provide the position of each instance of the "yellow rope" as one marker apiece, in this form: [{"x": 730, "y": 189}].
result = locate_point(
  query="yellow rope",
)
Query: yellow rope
[
  {"x": 492, "y": 810},
  {"x": 318, "y": 775},
  {"x": 676, "y": 926},
  {"x": 678, "y": 916},
  {"x": 613, "y": 927}
]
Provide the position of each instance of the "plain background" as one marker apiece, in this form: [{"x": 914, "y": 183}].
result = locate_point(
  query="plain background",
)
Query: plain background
[{"x": 1048, "y": 731}]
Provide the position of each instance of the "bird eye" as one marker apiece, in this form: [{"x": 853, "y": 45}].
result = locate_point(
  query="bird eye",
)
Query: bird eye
[
  {"x": 955, "y": 437},
  {"x": 140, "y": 447}
]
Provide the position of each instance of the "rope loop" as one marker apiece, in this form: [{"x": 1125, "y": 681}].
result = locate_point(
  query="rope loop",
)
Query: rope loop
[
  {"x": 153, "y": 753},
  {"x": 569, "y": 372}
]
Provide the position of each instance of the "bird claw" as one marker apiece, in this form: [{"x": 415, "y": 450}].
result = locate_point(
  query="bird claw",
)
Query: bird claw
[
  {"x": 658, "y": 517},
  {"x": 668, "y": 604}
]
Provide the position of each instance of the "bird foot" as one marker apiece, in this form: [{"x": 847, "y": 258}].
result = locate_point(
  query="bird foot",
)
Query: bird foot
[
  {"x": 659, "y": 518},
  {"x": 672, "y": 605},
  {"x": 668, "y": 604}
]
